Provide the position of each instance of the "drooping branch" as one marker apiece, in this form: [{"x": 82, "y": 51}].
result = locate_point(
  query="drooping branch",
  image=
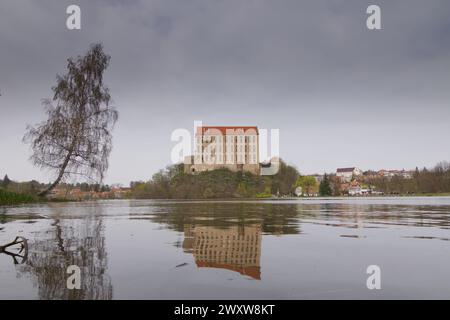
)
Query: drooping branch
[{"x": 23, "y": 248}]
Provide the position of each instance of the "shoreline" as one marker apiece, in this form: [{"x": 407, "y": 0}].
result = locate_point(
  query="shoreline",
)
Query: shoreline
[{"x": 318, "y": 198}]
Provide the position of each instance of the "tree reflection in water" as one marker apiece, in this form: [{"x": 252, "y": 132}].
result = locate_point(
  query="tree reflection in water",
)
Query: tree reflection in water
[
  {"x": 273, "y": 218},
  {"x": 68, "y": 242},
  {"x": 227, "y": 235},
  {"x": 16, "y": 249}
]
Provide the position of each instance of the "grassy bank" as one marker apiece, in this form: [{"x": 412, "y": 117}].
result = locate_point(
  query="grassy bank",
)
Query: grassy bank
[
  {"x": 443, "y": 194},
  {"x": 11, "y": 198}
]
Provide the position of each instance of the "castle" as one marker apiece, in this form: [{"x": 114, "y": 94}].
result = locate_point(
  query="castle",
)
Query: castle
[{"x": 235, "y": 148}]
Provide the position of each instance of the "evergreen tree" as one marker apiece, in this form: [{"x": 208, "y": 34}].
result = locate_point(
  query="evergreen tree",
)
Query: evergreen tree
[
  {"x": 6, "y": 181},
  {"x": 325, "y": 187}
]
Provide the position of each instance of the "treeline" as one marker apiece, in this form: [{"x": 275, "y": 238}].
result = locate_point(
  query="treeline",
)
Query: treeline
[
  {"x": 435, "y": 180},
  {"x": 34, "y": 187},
  {"x": 173, "y": 183},
  {"x": 13, "y": 192},
  {"x": 86, "y": 187},
  {"x": 29, "y": 187}
]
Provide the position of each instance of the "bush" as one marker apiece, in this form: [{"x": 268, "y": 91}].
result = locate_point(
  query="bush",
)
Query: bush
[
  {"x": 263, "y": 195},
  {"x": 11, "y": 198}
]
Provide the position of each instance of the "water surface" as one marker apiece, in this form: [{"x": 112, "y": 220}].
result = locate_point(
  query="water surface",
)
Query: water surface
[{"x": 287, "y": 249}]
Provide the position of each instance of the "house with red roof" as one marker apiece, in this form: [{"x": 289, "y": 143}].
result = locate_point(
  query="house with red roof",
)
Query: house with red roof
[{"x": 347, "y": 174}]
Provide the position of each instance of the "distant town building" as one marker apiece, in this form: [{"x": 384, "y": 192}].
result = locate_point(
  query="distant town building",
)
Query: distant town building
[
  {"x": 235, "y": 148},
  {"x": 406, "y": 174},
  {"x": 355, "y": 189},
  {"x": 346, "y": 174},
  {"x": 270, "y": 167},
  {"x": 76, "y": 194},
  {"x": 119, "y": 192}
]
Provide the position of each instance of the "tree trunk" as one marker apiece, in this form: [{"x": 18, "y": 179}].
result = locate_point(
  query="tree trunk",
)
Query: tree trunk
[{"x": 58, "y": 179}]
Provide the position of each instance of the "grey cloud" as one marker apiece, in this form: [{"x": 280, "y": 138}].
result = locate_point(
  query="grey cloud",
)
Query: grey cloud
[{"x": 310, "y": 68}]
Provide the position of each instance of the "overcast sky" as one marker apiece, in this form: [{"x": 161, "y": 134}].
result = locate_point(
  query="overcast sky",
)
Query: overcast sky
[{"x": 341, "y": 95}]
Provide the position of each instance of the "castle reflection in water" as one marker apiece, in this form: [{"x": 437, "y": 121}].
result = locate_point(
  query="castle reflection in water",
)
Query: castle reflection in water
[{"x": 236, "y": 248}]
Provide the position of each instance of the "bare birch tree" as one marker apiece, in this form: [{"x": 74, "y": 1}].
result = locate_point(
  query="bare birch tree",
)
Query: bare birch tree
[{"x": 76, "y": 138}]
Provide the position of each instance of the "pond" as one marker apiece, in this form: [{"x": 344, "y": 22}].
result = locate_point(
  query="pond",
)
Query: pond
[{"x": 267, "y": 249}]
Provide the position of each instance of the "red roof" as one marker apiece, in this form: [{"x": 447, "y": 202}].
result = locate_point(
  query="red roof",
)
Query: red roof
[
  {"x": 223, "y": 130},
  {"x": 345, "y": 169}
]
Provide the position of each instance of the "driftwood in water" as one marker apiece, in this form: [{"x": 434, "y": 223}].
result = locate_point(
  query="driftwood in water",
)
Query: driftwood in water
[{"x": 23, "y": 248}]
